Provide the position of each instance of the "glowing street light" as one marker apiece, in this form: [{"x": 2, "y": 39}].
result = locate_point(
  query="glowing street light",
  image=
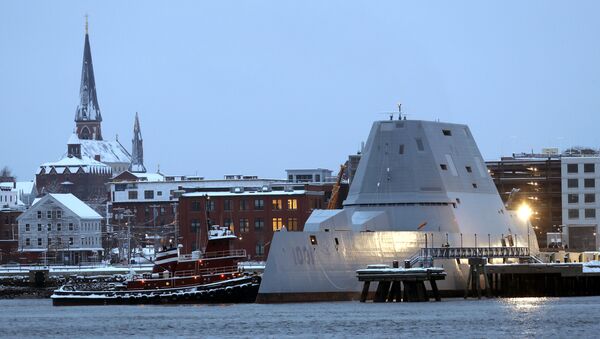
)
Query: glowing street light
[{"x": 524, "y": 212}]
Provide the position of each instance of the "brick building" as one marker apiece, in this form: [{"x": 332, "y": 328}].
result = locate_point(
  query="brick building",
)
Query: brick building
[
  {"x": 252, "y": 215},
  {"x": 9, "y": 237}
]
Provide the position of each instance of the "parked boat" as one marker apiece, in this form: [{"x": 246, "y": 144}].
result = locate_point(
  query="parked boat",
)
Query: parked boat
[{"x": 213, "y": 276}]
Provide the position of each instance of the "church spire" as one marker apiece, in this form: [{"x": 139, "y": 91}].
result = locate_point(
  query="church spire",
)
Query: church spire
[
  {"x": 137, "y": 148},
  {"x": 88, "y": 117}
]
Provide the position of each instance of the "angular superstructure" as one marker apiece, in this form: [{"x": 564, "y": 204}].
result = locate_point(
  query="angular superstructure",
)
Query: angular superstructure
[
  {"x": 416, "y": 180},
  {"x": 137, "y": 148}
]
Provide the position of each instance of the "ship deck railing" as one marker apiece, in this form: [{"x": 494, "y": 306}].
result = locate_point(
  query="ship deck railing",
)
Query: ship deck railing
[
  {"x": 207, "y": 271},
  {"x": 425, "y": 256},
  {"x": 216, "y": 254}
]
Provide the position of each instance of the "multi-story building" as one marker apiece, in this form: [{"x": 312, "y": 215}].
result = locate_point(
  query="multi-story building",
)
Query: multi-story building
[
  {"x": 254, "y": 215},
  {"x": 9, "y": 234},
  {"x": 580, "y": 202},
  {"x": 537, "y": 177},
  {"x": 9, "y": 196},
  {"x": 315, "y": 175},
  {"x": 60, "y": 228}
]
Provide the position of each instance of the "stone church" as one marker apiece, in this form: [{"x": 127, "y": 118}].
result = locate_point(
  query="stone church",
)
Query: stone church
[{"x": 90, "y": 161}]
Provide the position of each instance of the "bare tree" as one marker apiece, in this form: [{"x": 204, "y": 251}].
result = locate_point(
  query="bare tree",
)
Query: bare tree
[{"x": 6, "y": 174}]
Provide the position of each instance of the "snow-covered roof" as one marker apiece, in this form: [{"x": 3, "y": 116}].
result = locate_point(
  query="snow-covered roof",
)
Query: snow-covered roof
[
  {"x": 76, "y": 206},
  {"x": 149, "y": 176},
  {"x": 88, "y": 165},
  {"x": 109, "y": 151},
  {"x": 8, "y": 184},
  {"x": 73, "y": 140},
  {"x": 25, "y": 187},
  {"x": 246, "y": 193}
]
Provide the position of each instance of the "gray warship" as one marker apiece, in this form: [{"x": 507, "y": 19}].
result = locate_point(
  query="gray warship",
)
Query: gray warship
[{"x": 418, "y": 184}]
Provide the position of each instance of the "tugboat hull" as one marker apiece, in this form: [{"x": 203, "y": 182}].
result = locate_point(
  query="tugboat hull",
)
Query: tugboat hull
[{"x": 239, "y": 290}]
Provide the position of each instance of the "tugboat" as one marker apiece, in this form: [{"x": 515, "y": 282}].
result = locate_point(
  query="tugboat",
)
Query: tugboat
[{"x": 209, "y": 277}]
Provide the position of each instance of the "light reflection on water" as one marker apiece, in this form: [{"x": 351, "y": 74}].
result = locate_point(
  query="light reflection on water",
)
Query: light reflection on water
[{"x": 515, "y": 317}]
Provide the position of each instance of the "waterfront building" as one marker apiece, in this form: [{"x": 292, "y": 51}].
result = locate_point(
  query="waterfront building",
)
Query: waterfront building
[
  {"x": 314, "y": 175},
  {"x": 9, "y": 234},
  {"x": 537, "y": 177},
  {"x": 60, "y": 228},
  {"x": 252, "y": 213},
  {"x": 580, "y": 202}
]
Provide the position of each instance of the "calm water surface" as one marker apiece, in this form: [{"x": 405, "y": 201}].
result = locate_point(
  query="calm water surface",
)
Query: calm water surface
[{"x": 529, "y": 317}]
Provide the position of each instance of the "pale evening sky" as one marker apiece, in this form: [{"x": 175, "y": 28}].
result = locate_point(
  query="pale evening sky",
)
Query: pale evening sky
[{"x": 255, "y": 87}]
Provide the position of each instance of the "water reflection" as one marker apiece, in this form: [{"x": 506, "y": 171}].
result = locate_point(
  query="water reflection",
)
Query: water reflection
[{"x": 525, "y": 304}]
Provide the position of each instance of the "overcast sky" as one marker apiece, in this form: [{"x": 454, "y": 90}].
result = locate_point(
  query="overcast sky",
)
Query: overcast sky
[{"x": 256, "y": 87}]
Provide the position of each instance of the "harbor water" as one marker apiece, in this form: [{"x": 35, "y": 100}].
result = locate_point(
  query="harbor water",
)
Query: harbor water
[{"x": 522, "y": 317}]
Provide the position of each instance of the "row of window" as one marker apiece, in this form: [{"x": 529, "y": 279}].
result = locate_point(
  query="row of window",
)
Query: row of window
[
  {"x": 589, "y": 213},
  {"x": 587, "y": 168},
  {"x": 588, "y": 198},
  {"x": 52, "y": 214},
  {"x": 244, "y": 205},
  {"x": 148, "y": 195},
  {"x": 587, "y": 183},
  {"x": 86, "y": 226},
  {"x": 60, "y": 242},
  {"x": 259, "y": 223}
]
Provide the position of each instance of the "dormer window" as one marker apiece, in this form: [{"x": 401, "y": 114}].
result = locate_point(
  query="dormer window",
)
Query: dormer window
[
  {"x": 469, "y": 169},
  {"x": 444, "y": 167},
  {"x": 447, "y": 132}
]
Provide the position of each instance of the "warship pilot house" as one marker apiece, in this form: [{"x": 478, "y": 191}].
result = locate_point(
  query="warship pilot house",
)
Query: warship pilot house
[{"x": 418, "y": 184}]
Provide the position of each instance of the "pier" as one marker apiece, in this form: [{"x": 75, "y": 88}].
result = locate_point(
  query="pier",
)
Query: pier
[{"x": 390, "y": 280}]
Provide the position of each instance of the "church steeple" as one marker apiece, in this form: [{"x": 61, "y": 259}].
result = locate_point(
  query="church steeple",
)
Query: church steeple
[
  {"x": 137, "y": 148},
  {"x": 88, "y": 117}
]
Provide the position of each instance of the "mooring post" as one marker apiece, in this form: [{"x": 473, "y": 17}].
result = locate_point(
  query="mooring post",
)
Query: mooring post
[{"x": 365, "y": 291}]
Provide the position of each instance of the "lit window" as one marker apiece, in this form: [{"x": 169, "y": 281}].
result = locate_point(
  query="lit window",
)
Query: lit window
[
  {"x": 277, "y": 224},
  {"x": 292, "y": 204},
  {"x": 277, "y": 204}
]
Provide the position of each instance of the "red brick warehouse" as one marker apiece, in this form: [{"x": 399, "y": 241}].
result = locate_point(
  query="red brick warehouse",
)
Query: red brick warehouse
[{"x": 253, "y": 216}]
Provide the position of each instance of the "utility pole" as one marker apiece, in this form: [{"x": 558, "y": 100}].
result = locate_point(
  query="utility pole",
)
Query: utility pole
[{"x": 154, "y": 229}]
